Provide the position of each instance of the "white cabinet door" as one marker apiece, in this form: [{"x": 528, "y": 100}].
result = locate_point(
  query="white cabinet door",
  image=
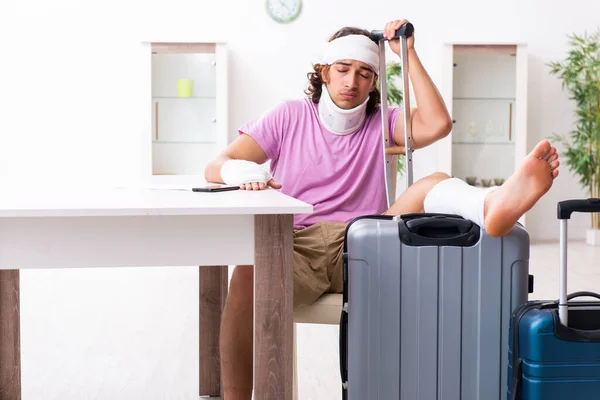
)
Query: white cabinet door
[
  {"x": 484, "y": 76},
  {"x": 481, "y": 120},
  {"x": 167, "y": 69},
  {"x": 484, "y": 86},
  {"x": 177, "y": 120},
  {"x": 187, "y": 132}
]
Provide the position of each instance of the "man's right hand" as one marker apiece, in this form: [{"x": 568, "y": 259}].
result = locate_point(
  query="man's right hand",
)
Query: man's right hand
[
  {"x": 260, "y": 185},
  {"x": 248, "y": 175},
  {"x": 243, "y": 158}
]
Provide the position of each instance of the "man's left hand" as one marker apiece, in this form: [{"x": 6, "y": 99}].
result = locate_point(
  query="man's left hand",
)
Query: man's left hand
[
  {"x": 395, "y": 150},
  {"x": 390, "y": 30}
]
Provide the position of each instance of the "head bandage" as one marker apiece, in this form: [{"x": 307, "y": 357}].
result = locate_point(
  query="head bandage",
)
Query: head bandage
[{"x": 352, "y": 47}]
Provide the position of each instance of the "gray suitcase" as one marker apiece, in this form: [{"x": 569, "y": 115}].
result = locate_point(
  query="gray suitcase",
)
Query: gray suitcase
[{"x": 427, "y": 303}]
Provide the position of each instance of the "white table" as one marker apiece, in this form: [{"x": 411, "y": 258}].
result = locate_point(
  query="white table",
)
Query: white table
[{"x": 87, "y": 228}]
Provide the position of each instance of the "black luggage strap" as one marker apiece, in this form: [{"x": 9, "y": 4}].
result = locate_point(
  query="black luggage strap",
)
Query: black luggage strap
[{"x": 516, "y": 381}]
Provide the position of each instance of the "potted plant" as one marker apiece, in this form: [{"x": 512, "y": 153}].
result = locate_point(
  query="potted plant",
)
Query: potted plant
[{"x": 580, "y": 75}]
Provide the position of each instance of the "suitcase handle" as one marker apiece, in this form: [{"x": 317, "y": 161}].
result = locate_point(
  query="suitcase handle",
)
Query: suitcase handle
[
  {"x": 564, "y": 210},
  {"x": 423, "y": 226},
  {"x": 567, "y": 207},
  {"x": 405, "y": 30},
  {"x": 583, "y": 294},
  {"x": 430, "y": 229}
]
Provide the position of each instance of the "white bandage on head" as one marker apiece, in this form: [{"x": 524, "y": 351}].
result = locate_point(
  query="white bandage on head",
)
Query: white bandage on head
[
  {"x": 239, "y": 172},
  {"x": 352, "y": 47},
  {"x": 455, "y": 196}
]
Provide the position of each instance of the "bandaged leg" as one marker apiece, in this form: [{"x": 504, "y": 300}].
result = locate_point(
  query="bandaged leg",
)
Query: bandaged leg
[{"x": 454, "y": 196}]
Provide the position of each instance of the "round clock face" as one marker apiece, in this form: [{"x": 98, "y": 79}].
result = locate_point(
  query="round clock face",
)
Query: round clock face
[{"x": 284, "y": 10}]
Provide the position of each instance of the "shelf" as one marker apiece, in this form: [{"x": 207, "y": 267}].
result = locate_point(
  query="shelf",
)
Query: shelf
[
  {"x": 484, "y": 98},
  {"x": 183, "y": 98},
  {"x": 479, "y": 185},
  {"x": 501, "y": 143},
  {"x": 182, "y": 142}
]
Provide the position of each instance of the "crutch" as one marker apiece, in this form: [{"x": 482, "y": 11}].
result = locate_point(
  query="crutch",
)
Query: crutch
[{"x": 403, "y": 34}]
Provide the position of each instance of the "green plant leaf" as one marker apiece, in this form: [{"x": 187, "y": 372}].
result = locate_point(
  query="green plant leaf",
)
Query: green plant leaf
[
  {"x": 393, "y": 81},
  {"x": 579, "y": 74}
]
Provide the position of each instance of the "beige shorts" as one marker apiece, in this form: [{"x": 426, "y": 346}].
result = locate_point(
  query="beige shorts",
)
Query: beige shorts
[{"x": 318, "y": 253}]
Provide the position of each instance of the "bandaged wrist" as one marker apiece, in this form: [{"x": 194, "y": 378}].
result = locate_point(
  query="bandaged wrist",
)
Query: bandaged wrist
[{"x": 239, "y": 172}]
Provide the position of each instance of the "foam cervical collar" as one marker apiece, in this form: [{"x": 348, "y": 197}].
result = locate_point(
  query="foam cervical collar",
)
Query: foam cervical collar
[{"x": 338, "y": 120}]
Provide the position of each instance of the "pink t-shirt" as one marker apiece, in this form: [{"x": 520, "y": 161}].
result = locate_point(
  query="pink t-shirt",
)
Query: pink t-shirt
[{"x": 341, "y": 176}]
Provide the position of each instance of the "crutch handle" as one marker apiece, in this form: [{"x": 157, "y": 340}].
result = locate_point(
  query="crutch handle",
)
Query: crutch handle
[{"x": 405, "y": 30}]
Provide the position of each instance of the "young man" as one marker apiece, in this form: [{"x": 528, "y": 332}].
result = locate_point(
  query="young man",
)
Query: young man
[{"x": 327, "y": 151}]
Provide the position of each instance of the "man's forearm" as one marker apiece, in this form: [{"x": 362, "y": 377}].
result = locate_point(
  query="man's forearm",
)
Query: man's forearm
[
  {"x": 212, "y": 172},
  {"x": 432, "y": 116}
]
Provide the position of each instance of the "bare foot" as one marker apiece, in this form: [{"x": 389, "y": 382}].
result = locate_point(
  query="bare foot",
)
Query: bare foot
[{"x": 505, "y": 205}]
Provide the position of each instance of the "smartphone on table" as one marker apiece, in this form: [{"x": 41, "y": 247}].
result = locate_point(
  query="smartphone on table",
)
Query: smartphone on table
[{"x": 215, "y": 187}]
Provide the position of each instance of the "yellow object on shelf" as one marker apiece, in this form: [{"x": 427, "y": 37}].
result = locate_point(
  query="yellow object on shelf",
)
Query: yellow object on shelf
[{"x": 185, "y": 87}]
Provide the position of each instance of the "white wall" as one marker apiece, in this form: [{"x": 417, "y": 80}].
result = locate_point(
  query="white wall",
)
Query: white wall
[{"x": 74, "y": 75}]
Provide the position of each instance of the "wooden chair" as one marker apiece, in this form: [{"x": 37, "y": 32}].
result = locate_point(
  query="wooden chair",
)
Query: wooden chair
[{"x": 326, "y": 310}]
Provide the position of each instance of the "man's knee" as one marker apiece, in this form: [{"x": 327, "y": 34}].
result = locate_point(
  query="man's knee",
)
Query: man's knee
[
  {"x": 432, "y": 180},
  {"x": 437, "y": 177}
]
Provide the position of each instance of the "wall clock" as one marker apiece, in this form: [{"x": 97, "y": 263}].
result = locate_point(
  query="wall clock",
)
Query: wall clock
[{"x": 284, "y": 11}]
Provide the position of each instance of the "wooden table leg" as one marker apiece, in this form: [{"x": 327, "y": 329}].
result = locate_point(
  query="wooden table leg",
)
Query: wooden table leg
[
  {"x": 273, "y": 307},
  {"x": 10, "y": 336},
  {"x": 213, "y": 291}
]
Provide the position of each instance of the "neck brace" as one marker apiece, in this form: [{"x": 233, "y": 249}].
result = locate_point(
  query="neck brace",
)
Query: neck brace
[{"x": 339, "y": 120}]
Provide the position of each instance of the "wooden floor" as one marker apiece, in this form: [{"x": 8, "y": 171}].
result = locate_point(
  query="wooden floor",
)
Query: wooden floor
[{"x": 133, "y": 333}]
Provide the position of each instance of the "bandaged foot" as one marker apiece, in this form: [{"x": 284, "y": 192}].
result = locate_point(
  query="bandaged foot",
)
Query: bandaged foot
[
  {"x": 239, "y": 172},
  {"x": 455, "y": 196},
  {"x": 504, "y": 207},
  {"x": 497, "y": 209}
]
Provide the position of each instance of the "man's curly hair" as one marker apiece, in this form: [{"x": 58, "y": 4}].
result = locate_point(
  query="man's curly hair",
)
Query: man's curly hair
[{"x": 315, "y": 80}]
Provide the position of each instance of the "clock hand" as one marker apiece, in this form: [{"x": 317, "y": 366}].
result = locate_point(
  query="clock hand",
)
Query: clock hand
[{"x": 284, "y": 5}]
